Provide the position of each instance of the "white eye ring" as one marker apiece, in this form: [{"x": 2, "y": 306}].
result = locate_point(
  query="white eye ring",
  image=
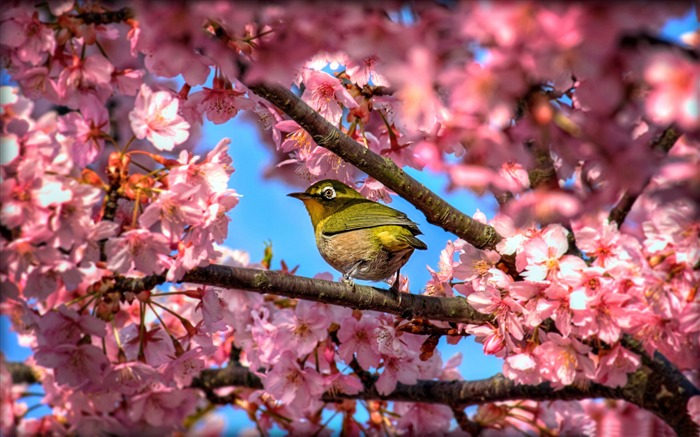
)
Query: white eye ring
[{"x": 328, "y": 193}]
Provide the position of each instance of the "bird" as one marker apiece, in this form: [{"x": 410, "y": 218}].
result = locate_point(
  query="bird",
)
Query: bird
[{"x": 358, "y": 237}]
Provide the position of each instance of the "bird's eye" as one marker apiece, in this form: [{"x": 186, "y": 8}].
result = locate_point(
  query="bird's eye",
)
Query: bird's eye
[{"x": 328, "y": 193}]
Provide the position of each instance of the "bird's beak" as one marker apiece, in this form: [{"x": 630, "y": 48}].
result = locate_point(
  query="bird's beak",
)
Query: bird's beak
[{"x": 300, "y": 196}]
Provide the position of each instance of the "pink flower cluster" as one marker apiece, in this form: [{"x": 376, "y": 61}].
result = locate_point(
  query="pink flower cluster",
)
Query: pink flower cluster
[
  {"x": 59, "y": 248},
  {"x": 619, "y": 287}
]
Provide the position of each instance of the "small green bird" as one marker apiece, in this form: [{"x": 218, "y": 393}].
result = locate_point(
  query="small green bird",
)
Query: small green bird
[{"x": 360, "y": 238}]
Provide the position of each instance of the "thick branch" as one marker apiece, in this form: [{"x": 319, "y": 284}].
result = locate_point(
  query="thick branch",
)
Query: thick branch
[
  {"x": 436, "y": 210},
  {"x": 107, "y": 17},
  {"x": 360, "y": 297},
  {"x": 642, "y": 389}
]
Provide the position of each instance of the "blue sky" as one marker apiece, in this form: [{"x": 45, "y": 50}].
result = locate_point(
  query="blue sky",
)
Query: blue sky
[{"x": 266, "y": 214}]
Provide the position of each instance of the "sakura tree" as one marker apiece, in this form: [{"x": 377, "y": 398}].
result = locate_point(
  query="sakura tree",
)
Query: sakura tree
[{"x": 580, "y": 119}]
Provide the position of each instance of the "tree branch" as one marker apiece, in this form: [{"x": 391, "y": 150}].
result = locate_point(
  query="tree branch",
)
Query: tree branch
[
  {"x": 107, "y": 17},
  {"x": 360, "y": 297},
  {"x": 436, "y": 210},
  {"x": 642, "y": 389}
]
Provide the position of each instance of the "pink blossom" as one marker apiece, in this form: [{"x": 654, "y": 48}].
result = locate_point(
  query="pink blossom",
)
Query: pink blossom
[
  {"x": 46, "y": 425},
  {"x": 128, "y": 81},
  {"x": 475, "y": 177},
  {"x": 364, "y": 71},
  {"x": 96, "y": 425},
  {"x": 513, "y": 239},
  {"x": 395, "y": 145},
  {"x": 138, "y": 249},
  {"x": 213, "y": 173},
  {"x": 423, "y": 419},
  {"x": 85, "y": 79},
  {"x": 326, "y": 94},
  {"x": 58, "y": 276},
  {"x": 73, "y": 365},
  {"x": 292, "y": 385},
  {"x": 515, "y": 176},
  {"x": 162, "y": 406},
  {"x": 490, "y": 336},
  {"x": 359, "y": 337},
  {"x": 485, "y": 92},
  {"x": 451, "y": 372},
  {"x": 72, "y": 219},
  {"x": 301, "y": 330},
  {"x": 29, "y": 37},
  {"x": 261, "y": 347},
  {"x": 177, "y": 208},
  {"x": 10, "y": 149},
  {"x": 7, "y": 400},
  {"x": 605, "y": 243},
  {"x": 440, "y": 281},
  {"x": 475, "y": 263},
  {"x": 563, "y": 360},
  {"x": 395, "y": 370},
  {"x": 417, "y": 100},
  {"x": 155, "y": 343},
  {"x": 427, "y": 154},
  {"x": 297, "y": 137},
  {"x": 567, "y": 418},
  {"x": 374, "y": 190},
  {"x": 674, "y": 225},
  {"x": 65, "y": 325},
  {"x": 131, "y": 378},
  {"x": 185, "y": 367},
  {"x": 155, "y": 118},
  {"x": 488, "y": 300},
  {"x": 543, "y": 206},
  {"x": 213, "y": 306},
  {"x": 222, "y": 104},
  {"x": 341, "y": 383},
  {"x": 604, "y": 314},
  {"x": 694, "y": 408},
  {"x": 87, "y": 129},
  {"x": 675, "y": 83},
  {"x": 613, "y": 417},
  {"x": 543, "y": 256},
  {"x": 614, "y": 366},
  {"x": 522, "y": 368}
]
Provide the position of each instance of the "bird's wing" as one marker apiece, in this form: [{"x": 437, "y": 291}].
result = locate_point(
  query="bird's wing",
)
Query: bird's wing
[{"x": 368, "y": 214}]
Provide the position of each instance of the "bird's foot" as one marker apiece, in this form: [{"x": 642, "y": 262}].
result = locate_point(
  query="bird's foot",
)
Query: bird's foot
[
  {"x": 347, "y": 280},
  {"x": 395, "y": 285}
]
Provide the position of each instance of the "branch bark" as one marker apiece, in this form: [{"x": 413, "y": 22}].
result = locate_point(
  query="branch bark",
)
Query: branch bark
[
  {"x": 360, "y": 297},
  {"x": 436, "y": 210},
  {"x": 644, "y": 388}
]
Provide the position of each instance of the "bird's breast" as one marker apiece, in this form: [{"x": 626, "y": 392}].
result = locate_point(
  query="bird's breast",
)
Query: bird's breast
[{"x": 377, "y": 260}]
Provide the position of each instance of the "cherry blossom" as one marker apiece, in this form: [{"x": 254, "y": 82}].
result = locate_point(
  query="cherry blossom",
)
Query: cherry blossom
[
  {"x": 138, "y": 249},
  {"x": 673, "y": 97},
  {"x": 325, "y": 93},
  {"x": 292, "y": 385},
  {"x": 155, "y": 118}
]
